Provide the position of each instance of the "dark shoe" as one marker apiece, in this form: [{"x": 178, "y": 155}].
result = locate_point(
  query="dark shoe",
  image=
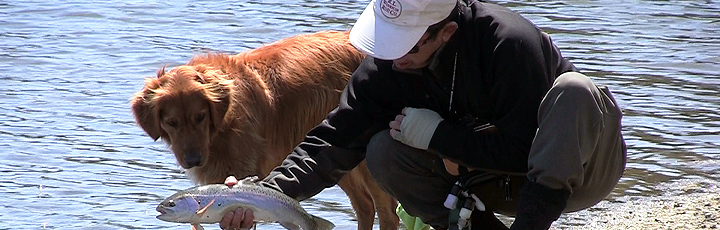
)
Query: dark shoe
[
  {"x": 539, "y": 206},
  {"x": 486, "y": 220}
]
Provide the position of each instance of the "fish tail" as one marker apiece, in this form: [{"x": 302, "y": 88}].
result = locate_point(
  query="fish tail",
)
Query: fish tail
[{"x": 321, "y": 223}]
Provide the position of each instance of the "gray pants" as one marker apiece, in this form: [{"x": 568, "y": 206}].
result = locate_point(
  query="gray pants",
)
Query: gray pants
[{"x": 578, "y": 147}]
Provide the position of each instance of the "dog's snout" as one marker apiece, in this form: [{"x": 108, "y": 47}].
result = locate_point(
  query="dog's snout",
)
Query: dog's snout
[{"x": 193, "y": 158}]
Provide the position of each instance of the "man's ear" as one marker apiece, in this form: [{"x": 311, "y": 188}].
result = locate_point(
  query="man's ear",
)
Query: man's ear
[{"x": 448, "y": 30}]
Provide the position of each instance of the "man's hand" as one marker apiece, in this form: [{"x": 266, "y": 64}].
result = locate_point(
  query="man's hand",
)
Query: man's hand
[
  {"x": 451, "y": 167},
  {"x": 415, "y": 127},
  {"x": 238, "y": 219}
]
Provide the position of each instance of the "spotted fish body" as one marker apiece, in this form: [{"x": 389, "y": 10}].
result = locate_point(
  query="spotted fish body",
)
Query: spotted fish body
[{"x": 208, "y": 204}]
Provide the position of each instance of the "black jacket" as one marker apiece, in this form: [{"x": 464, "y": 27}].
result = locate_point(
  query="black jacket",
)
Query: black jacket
[{"x": 505, "y": 65}]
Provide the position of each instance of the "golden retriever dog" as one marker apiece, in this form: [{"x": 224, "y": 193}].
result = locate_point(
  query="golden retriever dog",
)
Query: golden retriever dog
[{"x": 243, "y": 114}]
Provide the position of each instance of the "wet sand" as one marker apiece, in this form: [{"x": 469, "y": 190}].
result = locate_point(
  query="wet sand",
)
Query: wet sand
[{"x": 686, "y": 204}]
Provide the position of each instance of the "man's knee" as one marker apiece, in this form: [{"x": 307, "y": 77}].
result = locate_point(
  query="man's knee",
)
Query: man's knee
[
  {"x": 574, "y": 83},
  {"x": 572, "y": 92},
  {"x": 574, "y": 79},
  {"x": 389, "y": 160},
  {"x": 379, "y": 156},
  {"x": 413, "y": 176}
]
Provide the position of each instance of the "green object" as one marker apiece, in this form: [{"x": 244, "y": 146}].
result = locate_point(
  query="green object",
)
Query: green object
[{"x": 411, "y": 222}]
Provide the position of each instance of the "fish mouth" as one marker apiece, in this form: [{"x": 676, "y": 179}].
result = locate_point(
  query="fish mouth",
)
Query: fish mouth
[{"x": 161, "y": 210}]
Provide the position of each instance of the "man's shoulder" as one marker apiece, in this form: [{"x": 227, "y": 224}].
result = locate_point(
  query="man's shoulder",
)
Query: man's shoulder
[
  {"x": 488, "y": 7},
  {"x": 498, "y": 17},
  {"x": 487, "y": 25},
  {"x": 371, "y": 67},
  {"x": 372, "y": 72}
]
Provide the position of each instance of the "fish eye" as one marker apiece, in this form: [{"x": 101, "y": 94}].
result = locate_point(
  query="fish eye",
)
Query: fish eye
[{"x": 170, "y": 204}]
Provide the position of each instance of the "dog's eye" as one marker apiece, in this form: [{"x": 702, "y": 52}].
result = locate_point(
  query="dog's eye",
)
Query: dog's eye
[
  {"x": 200, "y": 118},
  {"x": 172, "y": 124}
]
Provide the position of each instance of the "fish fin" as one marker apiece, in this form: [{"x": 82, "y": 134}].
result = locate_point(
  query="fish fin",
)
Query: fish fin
[
  {"x": 290, "y": 226},
  {"x": 202, "y": 210},
  {"x": 321, "y": 223},
  {"x": 196, "y": 227}
]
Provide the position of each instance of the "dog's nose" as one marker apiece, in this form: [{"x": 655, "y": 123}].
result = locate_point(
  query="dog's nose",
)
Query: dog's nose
[{"x": 193, "y": 158}]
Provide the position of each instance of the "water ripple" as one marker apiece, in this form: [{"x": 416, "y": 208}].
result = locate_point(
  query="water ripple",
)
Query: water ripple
[{"x": 73, "y": 156}]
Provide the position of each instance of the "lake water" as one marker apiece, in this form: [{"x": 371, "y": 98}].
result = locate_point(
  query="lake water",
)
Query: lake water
[{"x": 71, "y": 156}]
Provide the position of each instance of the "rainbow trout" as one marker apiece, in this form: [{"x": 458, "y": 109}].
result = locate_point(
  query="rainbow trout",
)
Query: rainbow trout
[{"x": 208, "y": 204}]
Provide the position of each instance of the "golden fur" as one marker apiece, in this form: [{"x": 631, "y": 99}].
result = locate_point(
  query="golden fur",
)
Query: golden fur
[{"x": 243, "y": 114}]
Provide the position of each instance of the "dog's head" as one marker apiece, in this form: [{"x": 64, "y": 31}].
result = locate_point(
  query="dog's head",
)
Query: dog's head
[{"x": 185, "y": 107}]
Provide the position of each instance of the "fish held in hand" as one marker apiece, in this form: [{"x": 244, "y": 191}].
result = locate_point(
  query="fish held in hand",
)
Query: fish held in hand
[{"x": 208, "y": 204}]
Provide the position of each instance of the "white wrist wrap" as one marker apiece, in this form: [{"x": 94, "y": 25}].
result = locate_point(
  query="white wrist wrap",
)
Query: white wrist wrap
[{"x": 418, "y": 127}]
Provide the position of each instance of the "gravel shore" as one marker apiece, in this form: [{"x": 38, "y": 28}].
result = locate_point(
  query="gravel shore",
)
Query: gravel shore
[{"x": 686, "y": 204}]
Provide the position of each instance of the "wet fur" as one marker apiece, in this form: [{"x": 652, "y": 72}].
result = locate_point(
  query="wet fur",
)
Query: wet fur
[{"x": 242, "y": 114}]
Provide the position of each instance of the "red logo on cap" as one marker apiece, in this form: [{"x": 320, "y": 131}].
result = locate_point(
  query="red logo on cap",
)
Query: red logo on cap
[{"x": 390, "y": 8}]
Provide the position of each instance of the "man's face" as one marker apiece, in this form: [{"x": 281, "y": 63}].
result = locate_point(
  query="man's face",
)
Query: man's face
[{"x": 420, "y": 55}]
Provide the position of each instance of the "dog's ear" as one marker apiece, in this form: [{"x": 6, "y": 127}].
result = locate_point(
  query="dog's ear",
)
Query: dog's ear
[
  {"x": 218, "y": 110},
  {"x": 161, "y": 72},
  {"x": 219, "y": 96},
  {"x": 143, "y": 109}
]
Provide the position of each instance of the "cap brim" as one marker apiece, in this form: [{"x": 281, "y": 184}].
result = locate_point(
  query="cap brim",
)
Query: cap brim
[{"x": 381, "y": 39}]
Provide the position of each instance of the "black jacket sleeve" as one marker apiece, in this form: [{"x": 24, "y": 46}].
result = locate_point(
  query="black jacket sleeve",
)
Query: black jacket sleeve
[{"x": 337, "y": 145}]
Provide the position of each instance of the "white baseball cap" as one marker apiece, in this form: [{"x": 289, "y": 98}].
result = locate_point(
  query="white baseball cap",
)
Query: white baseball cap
[{"x": 388, "y": 29}]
